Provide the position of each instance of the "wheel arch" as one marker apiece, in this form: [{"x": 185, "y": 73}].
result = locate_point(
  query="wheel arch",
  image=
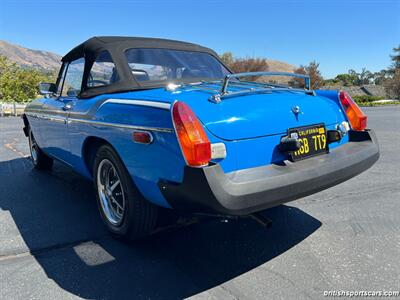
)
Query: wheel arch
[
  {"x": 26, "y": 124},
  {"x": 89, "y": 150}
]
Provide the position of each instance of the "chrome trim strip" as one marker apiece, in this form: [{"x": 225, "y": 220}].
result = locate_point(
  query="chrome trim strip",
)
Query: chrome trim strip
[
  {"x": 265, "y": 88},
  {"x": 58, "y": 120},
  {"x": 124, "y": 126},
  {"x": 224, "y": 89},
  {"x": 47, "y": 117},
  {"x": 217, "y": 98},
  {"x": 30, "y": 114},
  {"x": 161, "y": 105},
  {"x": 98, "y": 123},
  {"x": 48, "y": 111}
]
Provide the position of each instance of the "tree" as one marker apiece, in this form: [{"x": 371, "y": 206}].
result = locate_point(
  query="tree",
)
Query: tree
[
  {"x": 298, "y": 82},
  {"x": 379, "y": 78},
  {"x": 396, "y": 59},
  {"x": 4, "y": 64},
  {"x": 239, "y": 65},
  {"x": 347, "y": 79},
  {"x": 332, "y": 82},
  {"x": 227, "y": 58},
  {"x": 393, "y": 83},
  {"x": 365, "y": 77},
  {"x": 354, "y": 78},
  {"x": 17, "y": 84},
  {"x": 311, "y": 70}
]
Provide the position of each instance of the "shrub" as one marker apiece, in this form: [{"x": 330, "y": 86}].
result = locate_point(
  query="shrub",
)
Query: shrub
[
  {"x": 18, "y": 84},
  {"x": 366, "y": 98},
  {"x": 311, "y": 70},
  {"x": 240, "y": 65}
]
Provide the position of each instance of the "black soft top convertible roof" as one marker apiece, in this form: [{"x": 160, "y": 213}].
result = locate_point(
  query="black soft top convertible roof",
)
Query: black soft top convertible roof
[
  {"x": 116, "y": 46},
  {"x": 99, "y": 43}
]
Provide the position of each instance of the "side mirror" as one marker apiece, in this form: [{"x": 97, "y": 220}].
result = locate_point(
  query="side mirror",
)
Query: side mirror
[
  {"x": 72, "y": 92},
  {"x": 47, "y": 89}
]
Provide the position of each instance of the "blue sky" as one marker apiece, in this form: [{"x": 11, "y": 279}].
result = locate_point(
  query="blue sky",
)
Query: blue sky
[{"x": 341, "y": 34}]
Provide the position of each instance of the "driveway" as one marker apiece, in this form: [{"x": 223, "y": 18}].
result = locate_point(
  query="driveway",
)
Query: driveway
[{"x": 54, "y": 246}]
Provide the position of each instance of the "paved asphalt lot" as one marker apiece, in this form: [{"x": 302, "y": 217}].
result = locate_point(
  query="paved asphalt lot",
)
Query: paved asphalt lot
[{"x": 53, "y": 245}]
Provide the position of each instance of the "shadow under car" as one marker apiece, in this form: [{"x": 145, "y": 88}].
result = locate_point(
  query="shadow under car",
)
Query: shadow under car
[{"x": 56, "y": 215}]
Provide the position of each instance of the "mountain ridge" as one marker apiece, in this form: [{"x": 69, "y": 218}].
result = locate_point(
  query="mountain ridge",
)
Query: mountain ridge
[
  {"x": 29, "y": 58},
  {"x": 50, "y": 62}
]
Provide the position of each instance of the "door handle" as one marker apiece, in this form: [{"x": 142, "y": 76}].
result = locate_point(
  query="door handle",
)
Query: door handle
[{"x": 67, "y": 106}]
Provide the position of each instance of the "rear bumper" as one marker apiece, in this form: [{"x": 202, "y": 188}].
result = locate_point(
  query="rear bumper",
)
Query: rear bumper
[{"x": 210, "y": 190}]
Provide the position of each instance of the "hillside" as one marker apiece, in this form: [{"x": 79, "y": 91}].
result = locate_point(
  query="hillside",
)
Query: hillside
[
  {"x": 28, "y": 58},
  {"x": 279, "y": 66},
  {"x": 48, "y": 61}
]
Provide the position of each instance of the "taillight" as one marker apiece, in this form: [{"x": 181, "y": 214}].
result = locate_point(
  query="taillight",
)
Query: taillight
[
  {"x": 193, "y": 140},
  {"x": 142, "y": 137},
  {"x": 355, "y": 115}
]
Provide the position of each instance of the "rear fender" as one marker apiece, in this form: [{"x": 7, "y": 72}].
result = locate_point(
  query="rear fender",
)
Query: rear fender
[
  {"x": 146, "y": 163},
  {"x": 334, "y": 96}
]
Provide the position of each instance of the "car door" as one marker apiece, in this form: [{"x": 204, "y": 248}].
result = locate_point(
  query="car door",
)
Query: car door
[
  {"x": 102, "y": 73},
  {"x": 55, "y": 127}
]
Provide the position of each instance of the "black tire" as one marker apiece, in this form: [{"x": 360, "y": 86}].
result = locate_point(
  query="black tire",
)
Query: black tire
[
  {"x": 139, "y": 216},
  {"x": 39, "y": 159}
]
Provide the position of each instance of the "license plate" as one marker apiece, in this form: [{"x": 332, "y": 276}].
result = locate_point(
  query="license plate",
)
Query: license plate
[{"x": 313, "y": 141}]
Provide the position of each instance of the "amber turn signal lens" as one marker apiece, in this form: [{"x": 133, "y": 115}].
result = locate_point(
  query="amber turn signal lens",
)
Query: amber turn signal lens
[
  {"x": 193, "y": 140},
  {"x": 357, "y": 118}
]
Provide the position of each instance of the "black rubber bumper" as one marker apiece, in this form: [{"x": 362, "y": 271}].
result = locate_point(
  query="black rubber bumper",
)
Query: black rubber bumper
[{"x": 210, "y": 190}]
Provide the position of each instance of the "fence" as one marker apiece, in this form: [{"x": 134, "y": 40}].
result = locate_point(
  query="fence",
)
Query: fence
[{"x": 11, "y": 109}]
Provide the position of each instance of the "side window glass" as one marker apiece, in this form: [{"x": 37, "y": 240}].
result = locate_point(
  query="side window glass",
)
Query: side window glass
[
  {"x": 146, "y": 72},
  {"x": 103, "y": 71},
  {"x": 73, "y": 79},
  {"x": 61, "y": 79}
]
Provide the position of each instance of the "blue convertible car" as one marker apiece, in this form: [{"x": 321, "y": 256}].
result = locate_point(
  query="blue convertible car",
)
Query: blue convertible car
[{"x": 161, "y": 123}]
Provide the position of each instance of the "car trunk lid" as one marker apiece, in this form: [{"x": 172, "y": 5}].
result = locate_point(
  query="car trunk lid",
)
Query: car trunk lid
[
  {"x": 256, "y": 115},
  {"x": 252, "y": 115}
]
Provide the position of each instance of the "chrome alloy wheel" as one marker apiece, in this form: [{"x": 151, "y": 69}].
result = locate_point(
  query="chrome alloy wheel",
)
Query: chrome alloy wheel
[
  {"x": 33, "y": 148},
  {"x": 111, "y": 193}
]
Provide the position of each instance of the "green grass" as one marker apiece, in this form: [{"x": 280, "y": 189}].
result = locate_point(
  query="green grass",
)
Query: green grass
[
  {"x": 378, "y": 104},
  {"x": 369, "y": 101},
  {"x": 366, "y": 98}
]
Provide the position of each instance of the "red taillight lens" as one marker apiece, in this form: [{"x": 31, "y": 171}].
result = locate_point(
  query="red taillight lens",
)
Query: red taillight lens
[
  {"x": 142, "y": 137},
  {"x": 193, "y": 140},
  {"x": 355, "y": 115}
]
